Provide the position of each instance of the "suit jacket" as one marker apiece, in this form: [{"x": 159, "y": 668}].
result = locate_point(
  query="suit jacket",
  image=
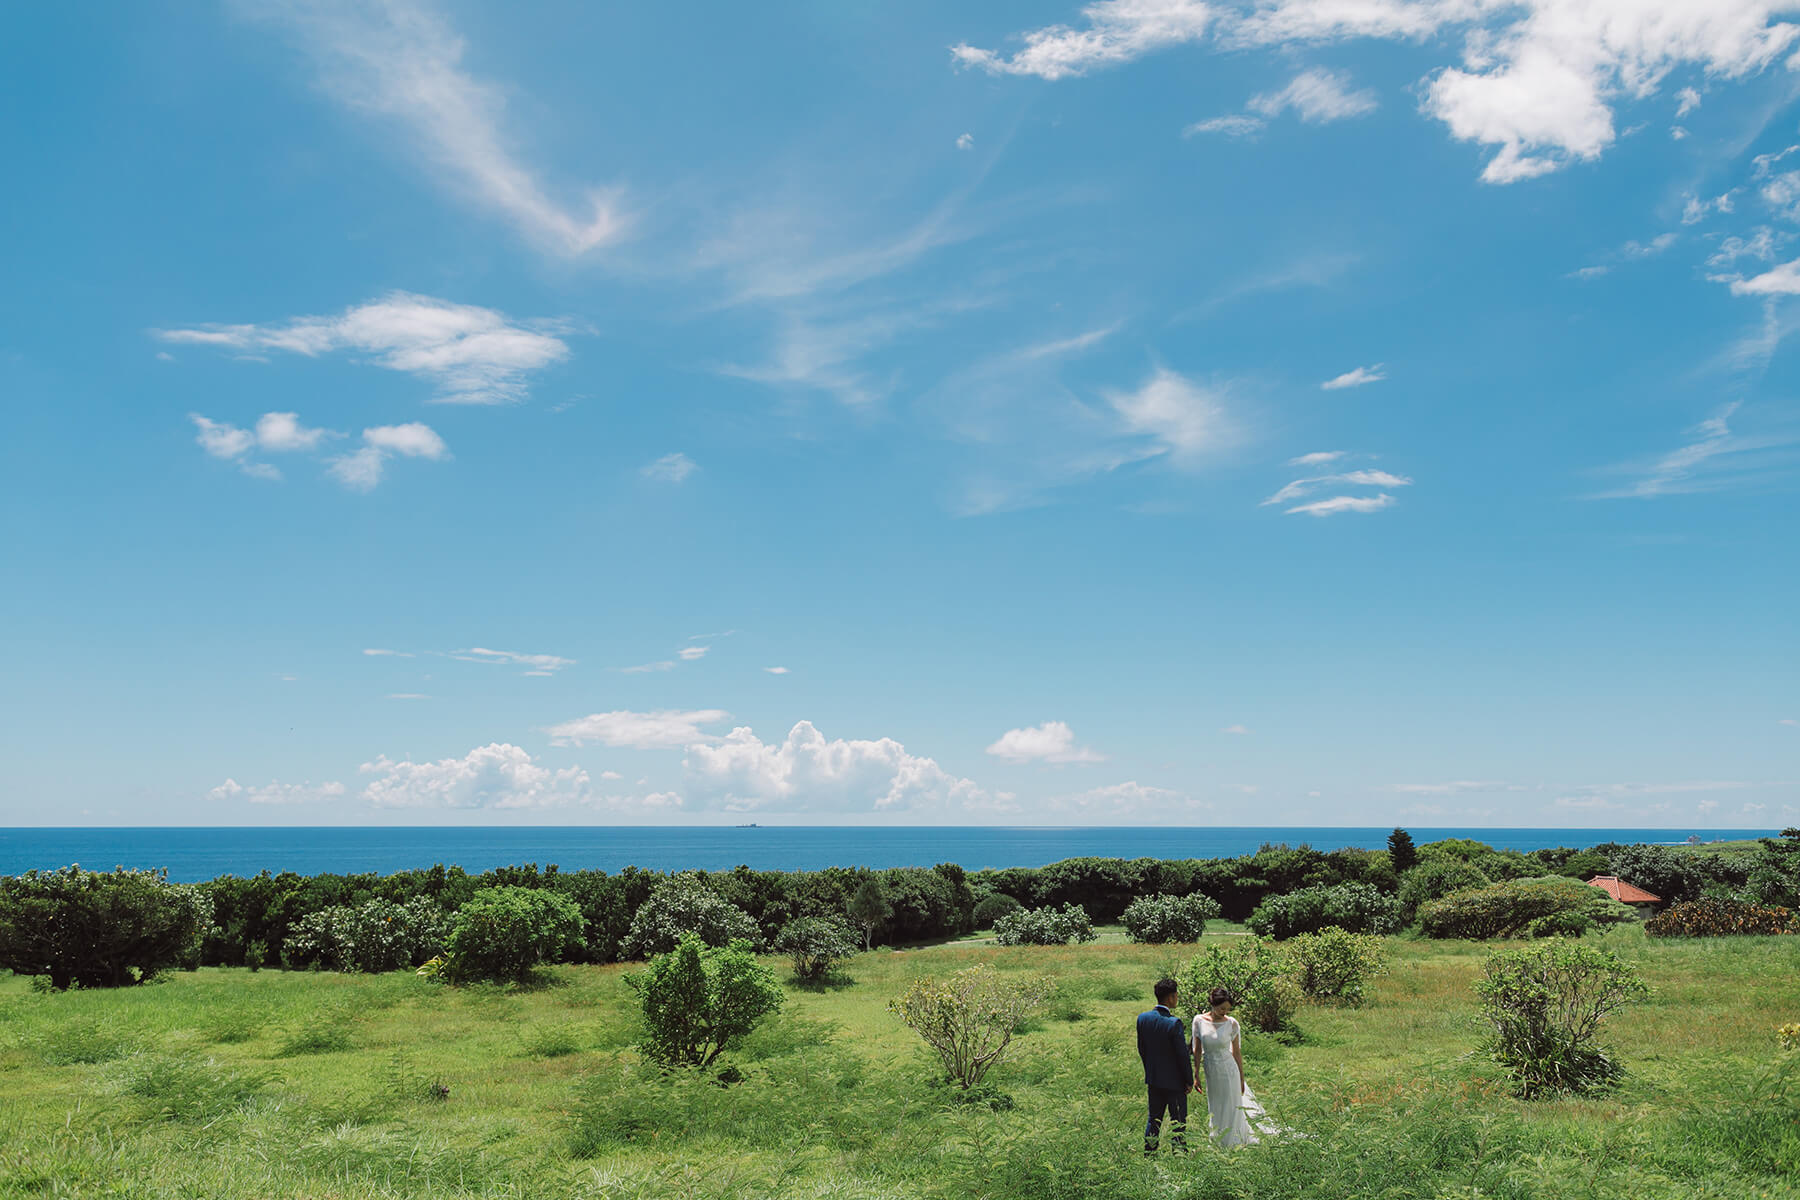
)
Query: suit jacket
[{"x": 1163, "y": 1045}]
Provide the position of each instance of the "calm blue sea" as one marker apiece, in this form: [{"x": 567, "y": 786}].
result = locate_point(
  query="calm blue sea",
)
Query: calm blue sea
[{"x": 195, "y": 854}]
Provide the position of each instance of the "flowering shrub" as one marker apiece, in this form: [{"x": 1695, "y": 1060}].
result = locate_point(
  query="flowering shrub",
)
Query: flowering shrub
[
  {"x": 1162, "y": 919},
  {"x": 375, "y": 936},
  {"x": 1356, "y": 907},
  {"x": 1255, "y": 972},
  {"x": 1550, "y": 906},
  {"x": 1045, "y": 927},
  {"x": 1721, "y": 917},
  {"x": 1335, "y": 964},
  {"x": 686, "y": 905},
  {"x": 1544, "y": 1005},
  {"x": 969, "y": 1018},
  {"x": 1789, "y": 1035}
]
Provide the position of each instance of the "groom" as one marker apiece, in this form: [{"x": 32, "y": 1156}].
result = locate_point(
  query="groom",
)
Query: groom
[{"x": 1168, "y": 1066}]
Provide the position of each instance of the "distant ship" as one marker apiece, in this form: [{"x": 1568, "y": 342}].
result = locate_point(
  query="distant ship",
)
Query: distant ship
[{"x": 751, "y": 825}]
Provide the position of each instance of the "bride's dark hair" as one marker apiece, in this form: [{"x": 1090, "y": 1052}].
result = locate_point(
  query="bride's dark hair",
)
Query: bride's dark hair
[{"x": 1219, "y": 996}]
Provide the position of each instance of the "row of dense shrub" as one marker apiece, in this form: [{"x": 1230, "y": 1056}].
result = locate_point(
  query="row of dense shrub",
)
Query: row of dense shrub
[
  {"x": 1722, "y": 917},
  {"x": 1547, "y": 907}
]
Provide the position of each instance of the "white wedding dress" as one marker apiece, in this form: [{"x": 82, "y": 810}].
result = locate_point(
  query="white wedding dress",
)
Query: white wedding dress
[{"x": 1230, "y": 1111}]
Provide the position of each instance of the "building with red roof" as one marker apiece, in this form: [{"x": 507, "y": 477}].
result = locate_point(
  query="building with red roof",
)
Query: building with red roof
[{"x": 1623, "y": 892}]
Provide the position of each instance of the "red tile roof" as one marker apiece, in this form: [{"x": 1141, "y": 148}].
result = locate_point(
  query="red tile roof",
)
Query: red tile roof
[{"x": 1618, "y": 889}]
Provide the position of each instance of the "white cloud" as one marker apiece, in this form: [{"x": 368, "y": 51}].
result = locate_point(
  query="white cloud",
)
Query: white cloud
[
  {"x": 1761, "y": 245},
  {"x": 1235, "y": 729},
  {"x": 1344, "y": 504},
  {"x": 1356, "y": 378},
  {"x": 965, "y": 141},
  {"x": 375, "y": 653},
  {"x": 1051, "y": 742},
  {"x": 611, "y": 775},
  {"x": 1690, "y": 100},
  {"x": 670, "y": 468},
  {"x": 1128, "y": 797},
  {"x": 1117, "y": 31},
  {"x": 1717, "y": 458},
  {"x": 492, "y": 776},
  {"x": 402, "y": 61},
  {"x": 807, "y": 772},
  {"x": 279, "y": 431},
  {"x": 471, "y": 355},
  {"x": 1455, "y": 787},
  {"x": 776, "y": 670},
  {"x": 1302, "y": 487},
  {"x": 667, "y": 664},
  {"x": 361, "y": 469},
  {"x": 1538, "y": 80},
  {"x": 639, "y": 730},
  {"x": 1317, "y": 458},
  {"x": 692, "y": 653},
  {"x": 1316, "y": 96},
  {"x": 536, "y": 664},
  {"x": 221, "y": 440},
  {"x": 408, "y": 696},
  {"x": 1783, "y": 280},
  {"x": 1651, "y": 248},
  {"x": 1231, "y": 125},
  {"x": 1185, "y": 418},
  {"x": 1790, "y": 722},
  {"x": 276, "y": 793}
]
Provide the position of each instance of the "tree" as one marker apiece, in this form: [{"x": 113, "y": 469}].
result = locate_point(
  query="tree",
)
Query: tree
[
  {"x": 869, "y": 907},
  {"x": 93, "y": 929},
  {"x": 1775, "y": 879},
  {"x": 686, "y": 905},
  {"x": 699, "y": 1000},
  {"x": 969, "y": 1018},
  {"x": 1402, "y": 851},
  {"x": 504, "y": 933},
  {"x": 816, "y": 944}
]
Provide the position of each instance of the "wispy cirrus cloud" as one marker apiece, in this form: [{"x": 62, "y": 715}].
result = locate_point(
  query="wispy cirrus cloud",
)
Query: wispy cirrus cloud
[
  {"x": 471, "y": 355},
  {"x": 670, "y": 468},
  {"x": 1303, "y": 487},
  {"x": 402, "y": 61},
  {"x": 1359, "y": 377},
  {"x": 1344, "y": 504},
  {"x": 1716, "y": 459},
  {"x": 661, "y": 729},
  {"x": 534, "y": 664}
]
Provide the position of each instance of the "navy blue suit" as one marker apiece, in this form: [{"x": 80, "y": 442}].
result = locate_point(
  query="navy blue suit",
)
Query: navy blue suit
[{"x": 1168, "y": 1071}]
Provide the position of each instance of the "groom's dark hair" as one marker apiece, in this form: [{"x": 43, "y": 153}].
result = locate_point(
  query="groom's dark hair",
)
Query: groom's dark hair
[{"x": 1164, "y": 989}]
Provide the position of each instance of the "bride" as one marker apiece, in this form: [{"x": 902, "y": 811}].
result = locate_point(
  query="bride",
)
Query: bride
[{"x": 1230, "y": 1104}]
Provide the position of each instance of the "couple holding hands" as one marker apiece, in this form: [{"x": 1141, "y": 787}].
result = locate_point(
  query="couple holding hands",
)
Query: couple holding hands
[{"x": 1169, "y": 1058}]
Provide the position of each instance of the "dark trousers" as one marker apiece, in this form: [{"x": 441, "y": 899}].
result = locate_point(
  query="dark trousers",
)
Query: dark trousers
[{"x": 1174, "y": 1102}]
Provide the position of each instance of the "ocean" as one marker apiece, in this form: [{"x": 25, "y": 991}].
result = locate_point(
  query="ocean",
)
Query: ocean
[{"x": 193, "y": 854}]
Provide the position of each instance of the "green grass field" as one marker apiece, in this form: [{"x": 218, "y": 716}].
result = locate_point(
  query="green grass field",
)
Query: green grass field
[{"x": 224, "y": 1083}]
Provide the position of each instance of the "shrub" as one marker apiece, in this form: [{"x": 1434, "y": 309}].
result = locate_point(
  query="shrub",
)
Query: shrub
[
  {"x": 1788, "y": 1036},
  {"x": 990, "y": 908},
  {"x": 685, "y": 905},
  {"x": 969, "y": 1018},
  {"x": 1774, "y": 879},
  {"x": 503, "y": 933},
  {"x": 375, "y": 936},
  {"x": 1045, "y": 927},
  {"x": 1721, "y": 917},
  {"x": 699, "y": 1000},
  {"x": 1356, "y": 907},
  {"x": 1161, "y": 919},
  {"x": 1335, "y": 964},
  {"x": 1673, "y": 875},
  {"x": 1548, "y": 906},
  {"x": 816, "y": 944},
  {"x": 1544, "y": 1005},
  {"x": 90, "y": 929},
  {"x": 1255, "y": 972},
  {"x": 1436, "y": 879}
]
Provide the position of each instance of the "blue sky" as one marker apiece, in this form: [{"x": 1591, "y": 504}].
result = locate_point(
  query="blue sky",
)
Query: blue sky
[{"x": 1298, "y": 412}]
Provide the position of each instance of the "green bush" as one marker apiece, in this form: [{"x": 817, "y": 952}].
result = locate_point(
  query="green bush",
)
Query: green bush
[
  {"x": 1436, "y": 879},
  {"x": 699, "y": 1000},
  {"x": 1671, "y": 875},
  {"x": 504, "y": 933},
  {"x": 969, "y": 1018},
  {"x": 990, "y": 908},
  {"x": 1255, "y": 972},
  {"x": 1335, "y": 964},
  {"x": 1774, "y": 879},
  {"x": 1544, "y": 1005},
  {"x": 1163, "y": 919},
  {"x": 816, "y": 944},
  {"x": 375, "y": 936},
  {"x": 91, "y": 929},
  {"x": 685, "y": 905},
  {"x": 1045, "y": 927},
  {"x": 1357, "y": 907},
  {"x": 1721, "y": 917},
  {"x": 1548, "y": 906}
]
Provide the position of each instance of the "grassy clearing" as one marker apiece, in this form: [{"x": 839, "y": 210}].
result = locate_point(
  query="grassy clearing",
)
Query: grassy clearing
[{"x": 228, "y": 1083}]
